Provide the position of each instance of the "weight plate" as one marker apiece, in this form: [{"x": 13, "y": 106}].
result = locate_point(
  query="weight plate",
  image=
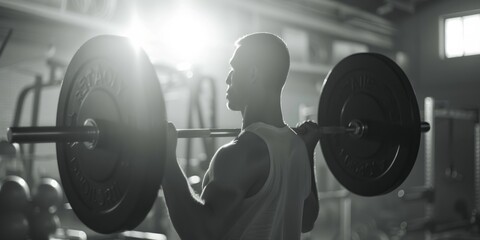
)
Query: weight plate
[
  {"x": 112, "y": 187},
  {"x": 373, "y": 89}
]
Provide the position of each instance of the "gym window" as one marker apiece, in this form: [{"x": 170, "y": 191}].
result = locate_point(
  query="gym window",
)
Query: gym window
[{"x": 461, "y": 35}]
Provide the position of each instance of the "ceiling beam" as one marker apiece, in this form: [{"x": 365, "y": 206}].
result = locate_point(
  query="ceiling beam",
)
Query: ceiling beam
[{"x": 309, "y": 21}]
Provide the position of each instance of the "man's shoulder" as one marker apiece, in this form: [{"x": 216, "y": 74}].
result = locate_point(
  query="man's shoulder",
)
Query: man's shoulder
[
  {"x": 247, "y": 143},
  {"x": 242, "y": 164},
  {"x": 245, "y": 148}
]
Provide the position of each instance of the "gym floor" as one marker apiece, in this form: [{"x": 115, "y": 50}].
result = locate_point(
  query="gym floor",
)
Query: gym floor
[{"x": 190, "y": 43}]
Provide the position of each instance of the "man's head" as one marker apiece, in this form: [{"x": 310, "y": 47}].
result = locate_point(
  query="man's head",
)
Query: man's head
[{"x": 259, "y": 68}]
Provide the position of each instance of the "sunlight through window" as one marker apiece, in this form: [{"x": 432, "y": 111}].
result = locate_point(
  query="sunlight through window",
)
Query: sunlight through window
[{"x": 462, "y": 36}]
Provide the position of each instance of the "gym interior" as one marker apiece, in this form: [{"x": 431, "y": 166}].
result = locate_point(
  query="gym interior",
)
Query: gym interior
[{"x": 431, "y": 45}]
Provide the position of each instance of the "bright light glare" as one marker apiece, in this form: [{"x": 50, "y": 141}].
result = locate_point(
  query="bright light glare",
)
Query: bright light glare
[
  {"x": 183, "y": 37},
  {"x": 137, "y": 32},
  {"x": 453, "y": 37},
  {"x": 188, "y": 35},
  {"x": 471, "y": 26}
]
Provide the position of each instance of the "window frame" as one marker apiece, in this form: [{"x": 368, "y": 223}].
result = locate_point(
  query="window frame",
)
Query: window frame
[{"x": 442, "y": 19}]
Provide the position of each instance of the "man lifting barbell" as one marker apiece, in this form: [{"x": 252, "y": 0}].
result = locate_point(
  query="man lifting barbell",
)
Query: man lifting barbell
[
  {"x": 261, "y": 185},
  {"x": 111, "y": 137}
]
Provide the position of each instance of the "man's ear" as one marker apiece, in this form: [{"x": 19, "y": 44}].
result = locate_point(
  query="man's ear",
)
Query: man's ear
[{"x": 253, "y": 74}]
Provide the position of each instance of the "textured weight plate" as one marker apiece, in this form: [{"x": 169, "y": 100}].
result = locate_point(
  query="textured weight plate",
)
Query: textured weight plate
[
  {"x": 112, "y": 187},
  {"x": 371, "y": 88}
]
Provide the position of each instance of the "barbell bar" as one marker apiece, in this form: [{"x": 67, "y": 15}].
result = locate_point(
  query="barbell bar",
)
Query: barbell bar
[{"x": 91, "y": 134}]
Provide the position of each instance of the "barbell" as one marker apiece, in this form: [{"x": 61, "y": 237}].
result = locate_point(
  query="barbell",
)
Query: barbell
[{"x": 110, "y": 131}]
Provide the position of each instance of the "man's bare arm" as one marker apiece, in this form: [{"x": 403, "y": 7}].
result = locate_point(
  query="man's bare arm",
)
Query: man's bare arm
[
  {"x": 307, "y": 131},
  {"x": 311, "y": 205},
  {"x": 207, "y": 217}
]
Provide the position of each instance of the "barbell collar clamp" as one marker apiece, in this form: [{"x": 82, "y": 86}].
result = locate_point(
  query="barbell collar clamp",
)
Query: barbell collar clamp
[
  {"x": 424, "y": 126},
  {"x": 357, "y": 128},
  {"x": 93, "y": 142}
]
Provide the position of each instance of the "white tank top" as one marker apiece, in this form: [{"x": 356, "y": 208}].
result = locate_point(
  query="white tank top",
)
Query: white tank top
[{"x": 276, "y": 211}]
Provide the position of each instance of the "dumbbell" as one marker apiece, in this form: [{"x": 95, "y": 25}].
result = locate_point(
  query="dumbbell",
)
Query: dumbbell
[
  {"x": 14, "y": 194},
  {"x": 14, "y": 207},
  {"x": 48, "y": 195}
]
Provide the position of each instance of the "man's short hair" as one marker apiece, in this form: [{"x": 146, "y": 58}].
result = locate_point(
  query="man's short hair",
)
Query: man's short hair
[{"x": 269, "y": 53}]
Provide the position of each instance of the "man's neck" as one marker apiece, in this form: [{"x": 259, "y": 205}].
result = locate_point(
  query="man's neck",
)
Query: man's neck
[{"x": 268, "y": 111}]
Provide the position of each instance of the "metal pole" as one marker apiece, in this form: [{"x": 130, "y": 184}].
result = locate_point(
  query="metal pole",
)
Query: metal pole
[
  {"x": 477, "y": 167},
  {"x": 429, "y": 112},
  {"x": 37, "y": 91}
]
